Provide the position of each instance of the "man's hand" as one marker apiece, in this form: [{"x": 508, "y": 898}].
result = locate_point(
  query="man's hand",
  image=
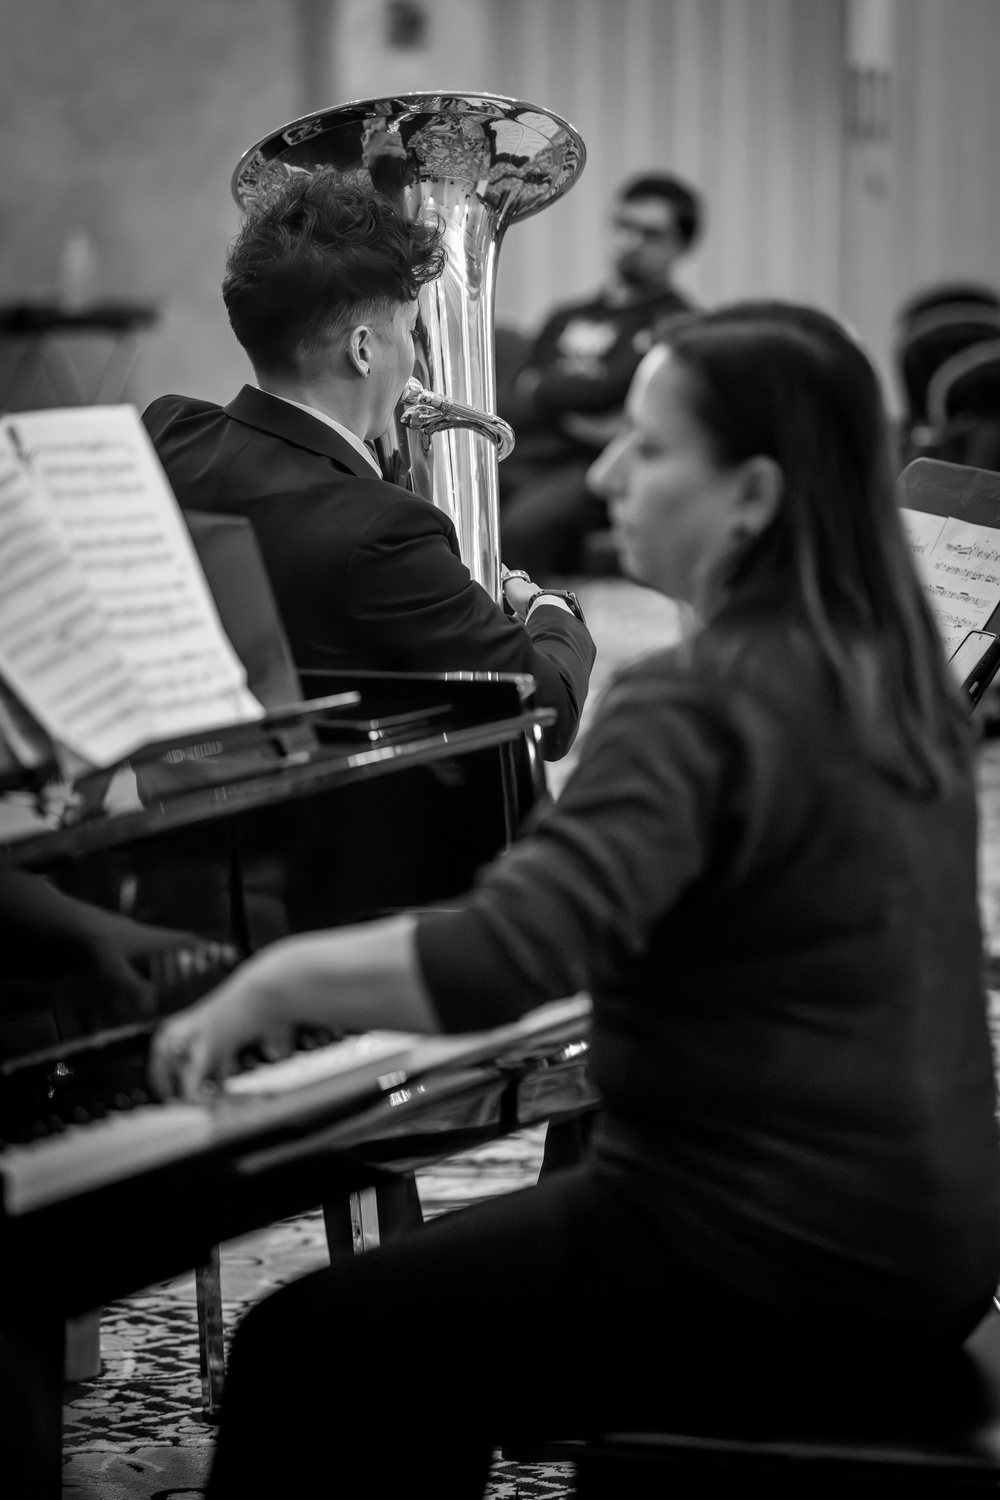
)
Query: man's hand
[
  {"x": 141, "y": 961},
  {"x": 597, "y": 429},
  {"x": 518, "y": 592}
]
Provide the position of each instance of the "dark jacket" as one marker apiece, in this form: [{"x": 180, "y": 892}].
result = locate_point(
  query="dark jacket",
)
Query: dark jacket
[{"x": 365, "y": 574}]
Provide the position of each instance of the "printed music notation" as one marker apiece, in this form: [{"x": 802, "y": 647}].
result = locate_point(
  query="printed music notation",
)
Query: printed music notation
[
  {"x": 959, "y": 563},
  {"x": 55, "y": 651},
  {"x": 108, "y": 632}
]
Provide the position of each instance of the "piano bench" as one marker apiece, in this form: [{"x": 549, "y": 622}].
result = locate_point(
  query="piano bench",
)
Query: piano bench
[{"x": 945, "y": 1445}]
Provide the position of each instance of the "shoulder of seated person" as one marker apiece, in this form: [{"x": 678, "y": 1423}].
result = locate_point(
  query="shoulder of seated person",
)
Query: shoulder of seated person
[
  {"x": 350, "y": 508},
  {"x": 715, "y": 666},
  {"x": 410, "y": 505},
  {"x": 168, "y": 406},
  {"x": 385, "y": 507}
]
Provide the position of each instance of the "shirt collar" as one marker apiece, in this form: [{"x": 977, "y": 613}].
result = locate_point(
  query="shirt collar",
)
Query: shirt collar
[{"x": 345, "y": 432}]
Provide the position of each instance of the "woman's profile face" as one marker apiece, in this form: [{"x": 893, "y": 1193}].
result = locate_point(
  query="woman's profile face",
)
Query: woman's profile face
[{"x": 674, "y": 509}]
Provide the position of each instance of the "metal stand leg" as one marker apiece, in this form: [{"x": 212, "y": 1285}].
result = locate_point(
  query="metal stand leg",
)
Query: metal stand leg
[
  {"x": 211, "y": 1346},
  {"x": 372, "y": 1216},
  {"x": 364, "y": 1220}
]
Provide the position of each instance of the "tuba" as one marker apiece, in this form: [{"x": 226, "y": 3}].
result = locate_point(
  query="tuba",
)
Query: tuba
[{"x": 475, "y": 163}]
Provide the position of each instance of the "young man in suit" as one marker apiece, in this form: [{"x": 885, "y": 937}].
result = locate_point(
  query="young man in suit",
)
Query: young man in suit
[{"x": 321, "y": 290}]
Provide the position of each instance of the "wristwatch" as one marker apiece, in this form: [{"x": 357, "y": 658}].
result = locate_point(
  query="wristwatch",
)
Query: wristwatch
[{"x": 566, "y": 595}]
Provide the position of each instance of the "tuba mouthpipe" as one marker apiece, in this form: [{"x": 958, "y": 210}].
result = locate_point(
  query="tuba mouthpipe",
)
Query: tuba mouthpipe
[{"x": 427, "y": 412}]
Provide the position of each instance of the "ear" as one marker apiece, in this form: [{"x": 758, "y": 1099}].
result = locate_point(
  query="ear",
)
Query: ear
[
  {"x": 761, "y": 488},
  {"x": 360, "y": 350}
]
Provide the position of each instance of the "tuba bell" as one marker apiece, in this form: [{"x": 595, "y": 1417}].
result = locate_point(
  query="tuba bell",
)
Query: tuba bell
[{"x": 474, "y": 163}]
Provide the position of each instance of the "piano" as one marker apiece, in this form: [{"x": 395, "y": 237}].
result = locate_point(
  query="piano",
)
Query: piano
[{"x": 105, "y": 1189}]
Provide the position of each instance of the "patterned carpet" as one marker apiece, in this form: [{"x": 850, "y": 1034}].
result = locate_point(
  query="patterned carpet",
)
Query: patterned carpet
[{"x": 135, "y": 1432}]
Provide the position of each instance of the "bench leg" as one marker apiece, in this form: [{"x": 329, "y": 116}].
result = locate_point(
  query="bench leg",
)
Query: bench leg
[
  {"x": 566, "y": 1143},
  {"x": 211, "y": 1344},
  {"x": 361, "y": 1223},
  {"x": 83, "y": 1348},
  {"x": 32, "y": 1351}
]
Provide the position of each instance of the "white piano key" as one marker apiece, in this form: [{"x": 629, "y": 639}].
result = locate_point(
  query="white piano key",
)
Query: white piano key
[
  {"x": 85, "y": 1157},
  {"x": 120, "y": 1146},
  {"x": 302, "y": 1069}
]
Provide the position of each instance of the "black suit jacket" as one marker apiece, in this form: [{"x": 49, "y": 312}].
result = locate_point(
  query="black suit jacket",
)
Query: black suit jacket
[{"x": 365, "y": 574}]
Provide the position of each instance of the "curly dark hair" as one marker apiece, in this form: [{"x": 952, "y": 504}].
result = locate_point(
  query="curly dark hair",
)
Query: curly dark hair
[{"x": 324, "y": 249}]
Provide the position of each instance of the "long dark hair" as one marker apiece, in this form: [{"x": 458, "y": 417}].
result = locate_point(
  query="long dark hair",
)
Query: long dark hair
[{"x": 789, "y": 383}]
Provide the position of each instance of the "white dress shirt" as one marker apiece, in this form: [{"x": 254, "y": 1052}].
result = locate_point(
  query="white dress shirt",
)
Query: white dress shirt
[{"x": 345, "y": 432}]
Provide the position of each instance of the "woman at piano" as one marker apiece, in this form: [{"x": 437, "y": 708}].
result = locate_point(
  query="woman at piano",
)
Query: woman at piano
[{"x": 764, "y": 872}]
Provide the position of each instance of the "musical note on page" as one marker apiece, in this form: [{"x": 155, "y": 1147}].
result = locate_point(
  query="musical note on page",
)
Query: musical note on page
[
  {"x": 923, "y": 532},
  {"x": 114, "y": 507},
  {"x": 56, "y": 651},
  {"x": 962, "y": 578}
]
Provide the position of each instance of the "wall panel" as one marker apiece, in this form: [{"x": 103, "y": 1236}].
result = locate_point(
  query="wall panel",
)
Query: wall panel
[
  {"x": 126, "y": 121},
  {"x": 740, "y": 96}
]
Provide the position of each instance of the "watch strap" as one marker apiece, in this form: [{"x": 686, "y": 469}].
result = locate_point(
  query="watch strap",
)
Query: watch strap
[{"x": 566, "y": 595}]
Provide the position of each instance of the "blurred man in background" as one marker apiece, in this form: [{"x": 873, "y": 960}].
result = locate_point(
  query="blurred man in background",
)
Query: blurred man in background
[{"x": 567, "y": 401}]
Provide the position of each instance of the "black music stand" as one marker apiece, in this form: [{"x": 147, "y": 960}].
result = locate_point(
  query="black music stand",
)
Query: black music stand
[
  {"x": 46, "y": 332},
  {"x": 237, "y": 579},
  {"x": 940, "y": 489}
]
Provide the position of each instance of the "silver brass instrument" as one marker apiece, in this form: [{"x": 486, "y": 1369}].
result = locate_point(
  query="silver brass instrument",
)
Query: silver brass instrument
[
  {"x": 427, "y": 412},
  {"x": 475, "y": 163}
]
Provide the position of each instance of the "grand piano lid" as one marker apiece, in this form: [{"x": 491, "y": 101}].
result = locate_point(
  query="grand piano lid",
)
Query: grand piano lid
[{"x": 372, "y": 724}]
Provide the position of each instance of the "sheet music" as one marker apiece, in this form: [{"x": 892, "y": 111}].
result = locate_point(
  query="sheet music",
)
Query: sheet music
[
  {"x": 962, "y": 577},
  {"x": 923, "y": 532},
  {"x": 115, "y": 508},
  {"x": 55, "y": 648}
]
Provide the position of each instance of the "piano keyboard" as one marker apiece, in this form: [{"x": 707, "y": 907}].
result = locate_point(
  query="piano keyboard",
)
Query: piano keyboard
[
  {"x": 85, "y": 1157},
  {"x": 82, "y": 1120},
  {"x": 76, "y": 1147},
  {"x": 302, "y": 1069}
]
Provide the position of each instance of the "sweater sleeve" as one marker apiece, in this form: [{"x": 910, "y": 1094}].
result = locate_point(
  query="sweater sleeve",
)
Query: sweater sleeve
[
  {"x": 563, "y": 386},
  {"x": 569, "y": 906}
]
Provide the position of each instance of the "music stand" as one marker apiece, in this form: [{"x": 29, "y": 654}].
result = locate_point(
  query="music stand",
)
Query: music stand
[
  {"x": 45, "y": 332},
  {"x": 940, "y": 489},
  {"x": 943, "y": 489}
]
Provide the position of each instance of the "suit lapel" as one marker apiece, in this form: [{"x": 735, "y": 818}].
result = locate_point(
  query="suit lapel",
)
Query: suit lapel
[{"x": 256, "y": 408}]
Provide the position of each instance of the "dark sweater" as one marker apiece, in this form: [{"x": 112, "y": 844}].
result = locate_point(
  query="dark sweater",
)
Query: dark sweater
[
  {"x": 587, "y": 352},
  {"x": 783, "y": 949}
]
